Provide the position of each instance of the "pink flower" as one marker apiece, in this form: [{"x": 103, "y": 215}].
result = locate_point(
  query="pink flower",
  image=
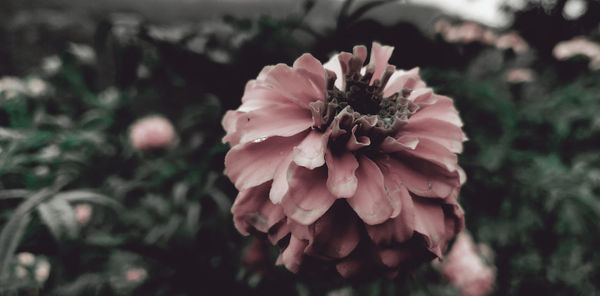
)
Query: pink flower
[
  {"x": 135, "y": 274},
  {"x": 83, "y": 213},
  {"x": 579, "y": 46},
  {"x": 512, "y": 40},
  {"x": 520, "y": 75},
  {"x": 466, "y": 270},
  {"x": 466, "y": 33},
  {"x": 152, "y": 132},
  {"x": 349, "y": 168}
]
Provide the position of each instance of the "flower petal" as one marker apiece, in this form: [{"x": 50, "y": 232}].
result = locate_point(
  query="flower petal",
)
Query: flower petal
[
  {"x": 275, "y": 120},
  {"x": 252, "y": 210},
  {"x": 421, "y": 176},
  {"x": 370, "y": 201},
  {"x": 380, "y": 55},
  {"x": 401, "y": 227},
  {"x": 229, "y": 125},
  {"x": 311, "y": 151},
  {"x": 403, "y": 79},
  {"x": 355, "y": 143},
  {"x": 259, "y": 94},
  {"x": 280, "y": 183},
  {"x": 402, "y": 143},
  {"x": 292, "y": 255},
  {"x": 429, "y": 221},
  {"x": 254, "y": 163},
  {"x": 334, "y": 65},
  {"x": 394, "y": 257},
  {"x": 341, "y": 180},
  {"x": 297, "y": 85},
  {"x": 348, "y": 267},
  {"x": 443, "y": 109},
  {"x": 435, "y": 153},
  {"x": 312, "y": 65},
  {"x": 307, "y": 198},
  {"x": 446, "y": 134},
  {"x": 336, "y": 234}
]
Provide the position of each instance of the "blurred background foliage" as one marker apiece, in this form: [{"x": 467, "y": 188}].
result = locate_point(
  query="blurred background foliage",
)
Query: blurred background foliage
[{"x": 84, "y": 213}]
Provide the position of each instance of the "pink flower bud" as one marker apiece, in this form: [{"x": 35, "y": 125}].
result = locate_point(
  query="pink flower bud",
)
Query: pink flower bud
[
  {"x": 464, "y": 268},
  {"x": 83, "y": 213},
  {"x": 519, "y": 75},
  {"x": 152, "y": 132},
  {"x": 135, "y": 274},
  {"x": 26, "y": 258}
]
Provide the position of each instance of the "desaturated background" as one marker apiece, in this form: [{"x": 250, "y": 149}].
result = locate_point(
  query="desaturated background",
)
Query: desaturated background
[{"x": 82, "y": 212}]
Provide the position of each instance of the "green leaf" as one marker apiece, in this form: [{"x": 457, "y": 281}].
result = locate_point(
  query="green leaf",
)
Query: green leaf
[
  {"x": 13, "y": 230},
  {"x": 60, "y": 218},
  {"x": 14, "y": 193}
]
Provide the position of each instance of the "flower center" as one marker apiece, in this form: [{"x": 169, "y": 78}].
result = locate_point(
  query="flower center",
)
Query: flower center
[{"x": 367, "y": 98}]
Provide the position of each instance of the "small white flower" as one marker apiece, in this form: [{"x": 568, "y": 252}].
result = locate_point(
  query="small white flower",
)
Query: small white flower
[
  {"x": 51, "y": 64},
  {"x": 42, "y": 271},
  {"x": 26, "y": 258}
]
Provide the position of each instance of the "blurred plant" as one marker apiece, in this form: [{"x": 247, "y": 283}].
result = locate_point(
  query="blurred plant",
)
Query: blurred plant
[{"x": 466, "y": 270}]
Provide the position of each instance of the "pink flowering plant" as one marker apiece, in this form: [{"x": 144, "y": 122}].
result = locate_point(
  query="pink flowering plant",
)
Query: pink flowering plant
[{"x": 348, "y": 168}]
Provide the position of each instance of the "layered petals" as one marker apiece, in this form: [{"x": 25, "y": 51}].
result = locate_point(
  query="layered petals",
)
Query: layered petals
[
  {"x": 263, "y": 157},
  {"x": 305, "y": 204},
  {"x": 341, "y": 178},
  {"x": 370, "y": 202},
  {"x": 346, "y": 167},
  {"x": 252, "y": 210}
]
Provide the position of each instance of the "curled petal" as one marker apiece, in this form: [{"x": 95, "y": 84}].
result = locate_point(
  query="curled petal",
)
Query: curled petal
[
  {"x": 341, "y": 180},
  {"x": 229, "y": 125},
  {"x": 360, "y": 51},
  {"x": 311, "y": 151},
  {"x": 292, "y": 255},
  {"x": 429, "y": 221},
  {"x": 307, "y": 198},
  {"x": 253, "y": 210},
  {"x": 280, "y": 183},
  {"x": 370, "y": 201},
  {"x": 264, "y": 157},
  {"x": 391, "y": 144},
  {"x": 355, "y": 143},
  {"x": 380, "y": 55},
  {"x": 279, "y": 231}
]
